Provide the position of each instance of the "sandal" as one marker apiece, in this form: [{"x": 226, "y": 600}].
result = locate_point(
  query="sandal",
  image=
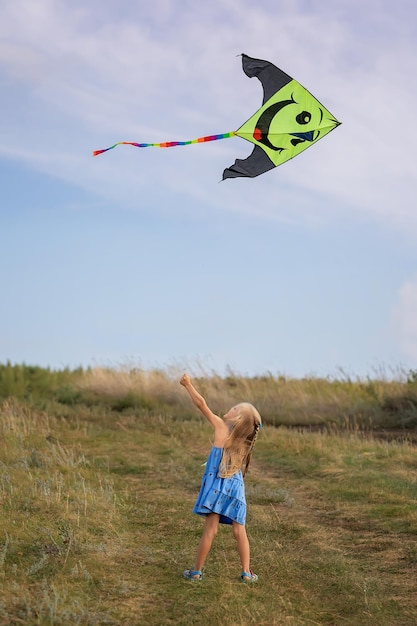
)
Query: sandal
[
  {"x": 248, "y": 577},
  {"x": 192, "y": 574}
]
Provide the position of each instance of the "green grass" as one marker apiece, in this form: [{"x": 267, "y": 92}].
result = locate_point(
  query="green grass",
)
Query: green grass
[{"x": 96, "y": 525}]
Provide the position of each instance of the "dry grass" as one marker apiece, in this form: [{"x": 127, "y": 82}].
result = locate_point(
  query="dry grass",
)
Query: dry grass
[
  {"x": 319, "y": 402},
  {"x": 97, "y": 525}
]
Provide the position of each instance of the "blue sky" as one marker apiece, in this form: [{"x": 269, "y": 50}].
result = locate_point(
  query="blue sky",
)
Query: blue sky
[{"x": 143, "y": 257}]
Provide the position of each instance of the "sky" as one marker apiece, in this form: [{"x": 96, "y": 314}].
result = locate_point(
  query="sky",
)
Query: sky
[{"x": 143, "y": 257}]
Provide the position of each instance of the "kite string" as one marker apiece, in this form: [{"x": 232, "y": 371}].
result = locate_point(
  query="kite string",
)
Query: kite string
[{"x": 167, "y": 144}]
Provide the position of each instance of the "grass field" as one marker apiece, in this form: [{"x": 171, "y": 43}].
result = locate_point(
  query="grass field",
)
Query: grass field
[{"x": 97, "y": 486}]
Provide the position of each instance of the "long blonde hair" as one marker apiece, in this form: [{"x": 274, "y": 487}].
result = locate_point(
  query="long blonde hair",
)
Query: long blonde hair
[{"x": 237, "y": 450}]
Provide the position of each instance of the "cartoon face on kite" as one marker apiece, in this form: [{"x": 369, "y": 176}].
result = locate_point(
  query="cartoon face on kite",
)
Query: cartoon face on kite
[{"x": 289, "y": 121}]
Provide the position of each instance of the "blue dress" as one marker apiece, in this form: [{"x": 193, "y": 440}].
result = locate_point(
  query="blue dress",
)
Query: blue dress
[{"x": 225, "y": 496}]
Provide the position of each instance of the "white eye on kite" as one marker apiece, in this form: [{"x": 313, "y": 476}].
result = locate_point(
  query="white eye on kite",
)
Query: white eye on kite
[{"x": 303, "y": 118}]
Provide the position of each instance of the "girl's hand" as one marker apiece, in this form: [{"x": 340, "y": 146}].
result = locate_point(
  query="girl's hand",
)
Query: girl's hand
[{"x": 185, "y": 380}]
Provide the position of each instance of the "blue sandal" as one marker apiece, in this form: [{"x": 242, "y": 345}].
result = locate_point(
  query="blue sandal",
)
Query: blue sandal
[
  {"x": 248, "y": 577},
  {"x": 192, "y": 574}
]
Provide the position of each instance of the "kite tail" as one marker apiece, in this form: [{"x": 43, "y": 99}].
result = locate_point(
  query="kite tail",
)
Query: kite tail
[{"x": 167, "y": 144}]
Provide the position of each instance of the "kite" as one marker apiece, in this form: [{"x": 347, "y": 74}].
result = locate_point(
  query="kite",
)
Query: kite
[{"x": 289, "y": 121}]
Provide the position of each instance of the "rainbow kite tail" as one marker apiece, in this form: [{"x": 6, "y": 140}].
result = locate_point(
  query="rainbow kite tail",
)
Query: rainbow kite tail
[{"x": 167, "y": 144}]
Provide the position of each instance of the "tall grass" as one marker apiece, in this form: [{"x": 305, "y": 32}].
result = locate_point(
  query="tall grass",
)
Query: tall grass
[
  {"x": 325, "y": 402},
  {"x": 96, "y": 523},
  {"x": 317, "y": 402},
  {"x": 38, "y": 383}
]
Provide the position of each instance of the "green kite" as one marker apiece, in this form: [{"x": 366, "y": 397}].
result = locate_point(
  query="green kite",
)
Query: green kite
[{"x": 289, "y": 121}]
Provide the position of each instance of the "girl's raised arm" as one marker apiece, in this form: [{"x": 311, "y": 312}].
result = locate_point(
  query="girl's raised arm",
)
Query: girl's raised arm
[{"x": 200, "y": 403}]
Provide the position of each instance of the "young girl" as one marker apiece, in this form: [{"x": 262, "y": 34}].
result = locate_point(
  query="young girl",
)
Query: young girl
[{"x": 222, "y": 494}]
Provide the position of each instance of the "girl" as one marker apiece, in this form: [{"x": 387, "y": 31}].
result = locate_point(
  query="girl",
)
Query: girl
[{"x": 222, "y": 494}]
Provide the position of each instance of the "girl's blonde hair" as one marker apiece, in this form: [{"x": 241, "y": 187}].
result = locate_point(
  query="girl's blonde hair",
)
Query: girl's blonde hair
[{"x": 237, "y": 450}]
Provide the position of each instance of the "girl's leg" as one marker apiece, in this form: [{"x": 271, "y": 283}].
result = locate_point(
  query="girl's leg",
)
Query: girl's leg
[
  {"x": 210, "y": 531},
  {"x": 241, "y": 537}
]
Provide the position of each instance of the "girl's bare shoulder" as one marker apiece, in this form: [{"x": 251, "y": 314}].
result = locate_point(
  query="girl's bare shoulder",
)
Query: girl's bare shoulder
[{"x": 221, "y": 433}]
